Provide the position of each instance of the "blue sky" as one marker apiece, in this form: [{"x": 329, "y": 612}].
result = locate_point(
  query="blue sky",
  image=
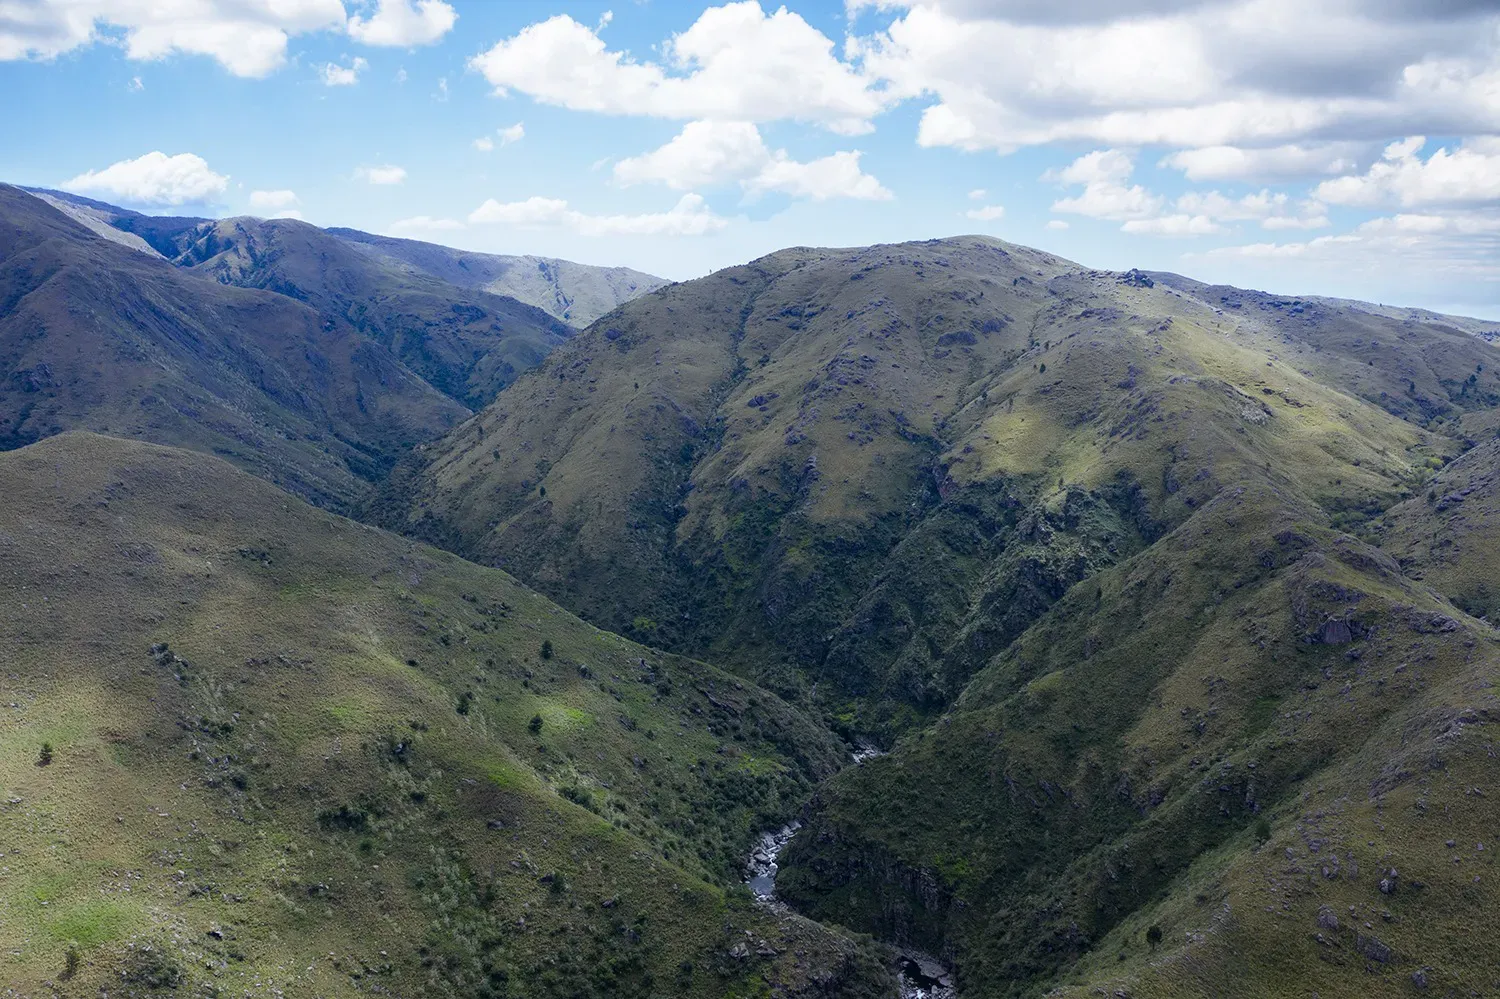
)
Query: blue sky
[{"x": 1306, "y": 146}]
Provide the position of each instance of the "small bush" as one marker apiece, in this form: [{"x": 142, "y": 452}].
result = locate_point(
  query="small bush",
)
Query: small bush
[
  {"x": 535, "y": 725},
  {"x": 45, "y": 757},
  {"x": 547, "y": 649}
]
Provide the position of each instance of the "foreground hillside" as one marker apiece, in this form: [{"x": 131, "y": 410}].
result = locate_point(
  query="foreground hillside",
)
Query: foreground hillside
[
  {"x": 97, "y": 335},
  {"x": 254, "y": 749}
]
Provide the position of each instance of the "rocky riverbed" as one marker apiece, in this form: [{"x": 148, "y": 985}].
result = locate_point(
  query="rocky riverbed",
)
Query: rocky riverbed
[{"x": 921, "y": 976}]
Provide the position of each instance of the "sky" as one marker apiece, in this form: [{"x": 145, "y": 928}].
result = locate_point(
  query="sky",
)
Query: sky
[{"x": 1337, "y": 147}]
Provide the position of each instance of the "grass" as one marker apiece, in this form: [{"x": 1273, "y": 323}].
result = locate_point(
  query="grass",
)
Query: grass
[{"x": 292, "y": 778}]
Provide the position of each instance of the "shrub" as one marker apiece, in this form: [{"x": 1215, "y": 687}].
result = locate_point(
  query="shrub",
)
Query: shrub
[
  {"x": 1153, "y": 936},
  {"x": 45, "y": 757},
  {"x": 535, "y": 725},
  {"x": 547, "y": 649}
]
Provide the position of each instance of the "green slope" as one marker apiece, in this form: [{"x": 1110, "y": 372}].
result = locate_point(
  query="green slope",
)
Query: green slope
[
  {"x": 290, "y": 754},
  {"x": 873, "y": 468}
]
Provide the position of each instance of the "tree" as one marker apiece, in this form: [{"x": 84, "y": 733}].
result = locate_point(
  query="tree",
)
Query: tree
[
  {"x": 45, "y": 758},
  {"x": 1153, "y": 936},
  {"x": 547, "y": 649},
  {"x": 71, "y": 959},
  {"x": 535, "y": 725}
]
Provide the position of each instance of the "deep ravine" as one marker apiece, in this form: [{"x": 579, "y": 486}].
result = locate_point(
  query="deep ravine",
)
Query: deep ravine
[{"x": 921, "y": 976}]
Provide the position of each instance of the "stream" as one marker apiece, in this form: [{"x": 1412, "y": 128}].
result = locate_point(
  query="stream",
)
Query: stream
[{"x": 921, "y": 976}]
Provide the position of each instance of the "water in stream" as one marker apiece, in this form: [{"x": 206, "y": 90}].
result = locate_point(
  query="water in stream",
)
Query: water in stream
[{"x": 921, "y": 976}]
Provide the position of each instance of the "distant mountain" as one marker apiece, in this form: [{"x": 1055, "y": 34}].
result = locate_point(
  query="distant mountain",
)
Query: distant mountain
[
  {"x": 253, "y": 747},
  {"x": 467, "y": 343},
  {"x": 100, "y": 336},
  {"x": 575, "y": 293}
]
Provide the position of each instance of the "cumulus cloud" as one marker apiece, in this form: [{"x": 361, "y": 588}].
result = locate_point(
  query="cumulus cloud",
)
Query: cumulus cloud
[
  {"x": 1057, "y": 224},
  {"x": 988, "y": 213},
  {"x": 334, "y": 75},
  {"x": 1453, "y": 253},
  {"x": 246, "y": 37},
  {"x": 691, "y": 216},
  {"x": 1173, "y": 225},
  {"x": 420, "y": 224},
  {"x": 735, "y": 62},
  {"x": 1103, "y": 174},
  {"x": 280, "y": 204},
  {"x": 403, "y": 24},
  {"x": 1108, "y": 194},
  {"x": 484, "y": 144},
  {"x": 1288, "y": 162},
  {"x": 708, "y": 153},
  {"x": 1244, "y": 74},
  {"x": 513, "y": 133},
  {"x": 1466, "y": 175},
  {"x": 152, "y": 179},
  {"x": 382, "y": 176}
]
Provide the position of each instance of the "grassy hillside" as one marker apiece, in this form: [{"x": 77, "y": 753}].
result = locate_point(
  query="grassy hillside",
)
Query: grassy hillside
[
  {"x": 100, "y": 336},
  {"x": 575, "y": 293},
  {"x": 873, "y": 468},
  {"x": 469, "y": 344},
  {"x": 1257, "y": 737},
  {"x": 252, "y": 748}
]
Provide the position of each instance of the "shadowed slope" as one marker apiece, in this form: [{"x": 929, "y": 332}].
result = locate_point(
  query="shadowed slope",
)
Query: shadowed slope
[
  {"x": 100, "y": 336},
  {"x": 466, "y": 342}
]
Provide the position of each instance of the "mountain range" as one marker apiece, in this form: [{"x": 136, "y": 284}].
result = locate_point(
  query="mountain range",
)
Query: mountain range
[{"x": 1154, "y": 612}]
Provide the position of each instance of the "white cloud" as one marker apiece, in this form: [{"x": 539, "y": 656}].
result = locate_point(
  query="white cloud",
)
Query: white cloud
[
  {"x": 247, "y": 37},
  {"x": 1288, "y": 162},
  {"x": 280, "y": 204},
  {"x": 423, "y": 224},
  {"x": 735, "y": 62},
  {"x": 135, "y": 85},
  {"x": 978, "y": 194},
  {"x": 689, "y": 217},
  {"x": 1105, "y": 196},
  {"x": 1467, "y": 175},
  {"x": 1097, "y": 167},
  {"x": 512, "y": 133},
  {"x": 716, "y": 152},
  {"x": 383, "y": 176},
  {"x": 1057, "y": 224},
  {"x": 1245, "y": 74},
  {"x": 335, "y": 75},
  {"x": 1173, "y": 225},
  {"x": 400, "y": 23},
  {"x": 988, "y": 213},
  {"x": 1271, "y": 210},
  {"x": 484, "y": 144},
  {"x": 834, "y": 176},
  {"x": 152, "y": 179}
]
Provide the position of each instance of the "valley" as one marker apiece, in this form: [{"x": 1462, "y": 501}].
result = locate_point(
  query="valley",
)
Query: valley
[{"x": 943, "y": 618}]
